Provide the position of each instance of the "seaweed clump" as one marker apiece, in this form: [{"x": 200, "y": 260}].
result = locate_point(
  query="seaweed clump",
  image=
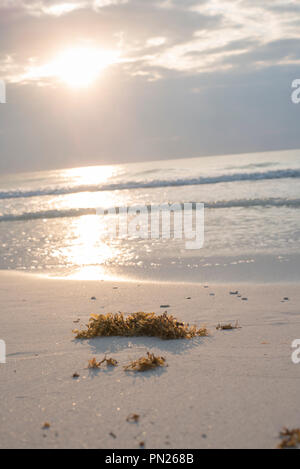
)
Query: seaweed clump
[
  {"x": 146, "y": 363},
  {"x": 290, "y": 438},
  {"x": 138, "y": 324}
]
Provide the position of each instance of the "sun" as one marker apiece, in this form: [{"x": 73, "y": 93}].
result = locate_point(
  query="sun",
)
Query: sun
[{"x": 80, "y": 67}]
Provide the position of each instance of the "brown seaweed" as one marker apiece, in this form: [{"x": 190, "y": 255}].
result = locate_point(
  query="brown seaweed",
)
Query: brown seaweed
[
  {"x": 163, "y": 326},
  {"x": 290, "y": 438},
  {"x": 93, "y": 364},
  {"x": 146, "y": 363}
]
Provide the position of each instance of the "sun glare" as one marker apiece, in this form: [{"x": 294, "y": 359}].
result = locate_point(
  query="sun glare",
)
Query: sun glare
[
  {"x": 89, "y": 175},
  {"x": 81, "y": 67},
  {"x": 78, "y": 67}
]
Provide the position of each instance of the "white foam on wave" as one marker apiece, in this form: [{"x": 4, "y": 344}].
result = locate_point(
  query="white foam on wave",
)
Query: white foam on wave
[
  {"x": 73, "y": 213},
  {"x": 156, "y": 183}
]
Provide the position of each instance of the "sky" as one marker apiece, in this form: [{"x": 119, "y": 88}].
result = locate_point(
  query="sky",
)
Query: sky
[{"x": 115, "y": 81}]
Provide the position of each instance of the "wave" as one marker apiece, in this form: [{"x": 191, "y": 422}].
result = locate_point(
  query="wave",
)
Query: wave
[
  {"x": 73, "y": 213},
  {"x": 236, "y": 177},
  {"x": 48, "y": 214}
]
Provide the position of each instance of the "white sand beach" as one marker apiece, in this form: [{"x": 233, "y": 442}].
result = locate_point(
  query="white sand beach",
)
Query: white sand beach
[{"x": 233, "y": 389}]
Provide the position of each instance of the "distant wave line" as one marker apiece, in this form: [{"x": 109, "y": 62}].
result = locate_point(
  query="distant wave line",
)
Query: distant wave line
[{"x": 236, "y": 177}]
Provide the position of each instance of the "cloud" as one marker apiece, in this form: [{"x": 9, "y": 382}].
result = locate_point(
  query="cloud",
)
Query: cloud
[
  {"x": 191, "y": 36},
  {"x": 196, "y": 77},
  {"x": 25, "y": 36},
  {"x": 56, "y": 7}
]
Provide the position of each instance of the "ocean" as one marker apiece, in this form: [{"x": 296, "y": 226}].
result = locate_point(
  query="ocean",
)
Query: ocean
[{"x": 49, "y": 224}]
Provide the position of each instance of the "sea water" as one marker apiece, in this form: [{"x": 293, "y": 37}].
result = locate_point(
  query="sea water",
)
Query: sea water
[{"x": 49, "y": 224}]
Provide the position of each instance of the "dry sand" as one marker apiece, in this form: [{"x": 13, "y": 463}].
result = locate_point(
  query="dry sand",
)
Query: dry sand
[{"x": 234, "y": 389}]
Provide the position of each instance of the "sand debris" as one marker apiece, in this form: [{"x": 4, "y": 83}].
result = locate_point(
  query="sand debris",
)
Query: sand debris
[
  {"x": 93, "y": 364},
  {"x": 228, "y": 327},
  {"x": 133, "y": 418},
  {"x": 111, "y": 362},
  {"x": 290, "y": 438},
  {"x": 146, "y": 363},
  {"x": 139, "y": 324}
]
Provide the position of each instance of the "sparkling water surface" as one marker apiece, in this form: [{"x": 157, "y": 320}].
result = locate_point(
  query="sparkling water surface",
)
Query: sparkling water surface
[{"x": 48, "y": 221}]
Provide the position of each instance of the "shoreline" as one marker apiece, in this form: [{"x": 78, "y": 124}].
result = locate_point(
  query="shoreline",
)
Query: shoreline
[
  {"x": 249, "y": 269},
  {"x": 234, "y": 389},
  {"x": 130, "y": 280}
]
